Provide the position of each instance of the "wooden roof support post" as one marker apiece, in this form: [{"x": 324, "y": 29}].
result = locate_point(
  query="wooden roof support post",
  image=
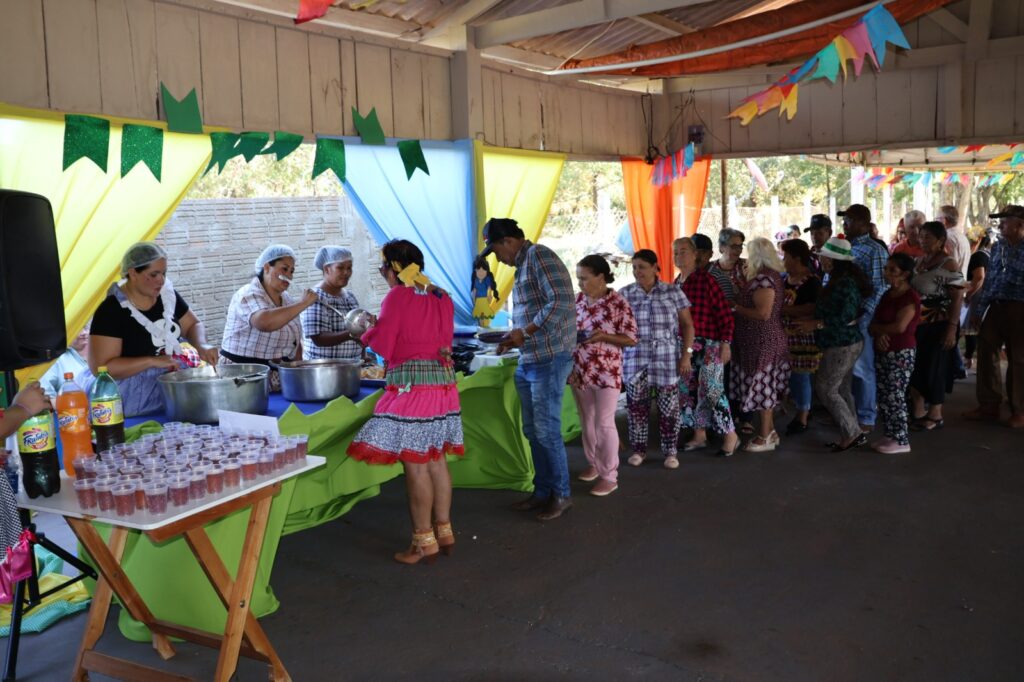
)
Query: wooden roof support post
[{"x": 467, "y": 88}]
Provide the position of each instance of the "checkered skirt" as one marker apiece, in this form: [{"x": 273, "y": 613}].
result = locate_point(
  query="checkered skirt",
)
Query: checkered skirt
[{"x": 417, "y": 420}]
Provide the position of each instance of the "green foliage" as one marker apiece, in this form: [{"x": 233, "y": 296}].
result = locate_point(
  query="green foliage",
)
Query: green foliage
[
  {"x": 266, "y": 177},
  {"x": 582, "y": 181}
]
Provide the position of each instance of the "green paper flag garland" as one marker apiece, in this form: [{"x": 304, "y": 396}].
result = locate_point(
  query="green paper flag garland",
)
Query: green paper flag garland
[
  {"x": 182, "y": 115},
  {"x": 412, "y": 157},
  {"x": 368, "y": 128},
  {"x": 88, "y": 137},
  {"x": 251, "y": 144},
  {"x": 284, "y": 144},
  {"x": 330, "y": 154},
  {"x": 224, "y": 148},
  {"x": 143, "y": 144}
]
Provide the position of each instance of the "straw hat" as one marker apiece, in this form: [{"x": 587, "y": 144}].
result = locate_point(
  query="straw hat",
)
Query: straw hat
[{"x": 837, "y": 248}]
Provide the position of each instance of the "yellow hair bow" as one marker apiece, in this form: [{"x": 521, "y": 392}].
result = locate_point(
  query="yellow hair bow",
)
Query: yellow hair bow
[{"x": 410, "y": 275}]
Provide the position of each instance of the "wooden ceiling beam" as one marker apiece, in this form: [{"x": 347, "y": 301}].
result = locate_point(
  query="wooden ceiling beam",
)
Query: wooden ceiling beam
[
  {"x": 440, "y": 34},
  {"x": 660, "y": 22}
]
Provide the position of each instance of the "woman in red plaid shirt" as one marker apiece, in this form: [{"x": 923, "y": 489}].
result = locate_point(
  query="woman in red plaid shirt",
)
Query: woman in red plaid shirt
[{"x": 702, "y": 398}]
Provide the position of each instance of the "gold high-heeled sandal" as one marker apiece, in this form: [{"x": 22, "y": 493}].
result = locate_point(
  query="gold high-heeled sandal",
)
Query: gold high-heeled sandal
[
  {"x": 423, "y": 548},
  {"x": 445, "y": 537}
]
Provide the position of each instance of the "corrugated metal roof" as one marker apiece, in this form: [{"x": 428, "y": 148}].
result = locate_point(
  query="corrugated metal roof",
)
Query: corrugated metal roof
[{"x": 590, "y": 41}]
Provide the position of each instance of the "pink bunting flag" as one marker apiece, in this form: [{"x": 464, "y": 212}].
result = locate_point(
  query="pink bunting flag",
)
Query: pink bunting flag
[
  {"x": 859, "y": 39},
  {"x": 311, "y": 9}
]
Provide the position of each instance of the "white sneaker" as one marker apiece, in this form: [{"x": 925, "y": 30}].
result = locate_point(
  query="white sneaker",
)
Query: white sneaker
[{"x": 671, "y": 462}]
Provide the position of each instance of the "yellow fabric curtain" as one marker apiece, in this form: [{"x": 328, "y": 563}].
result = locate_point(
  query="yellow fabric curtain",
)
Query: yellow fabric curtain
[
  {"x": 97, "y": 214},
  {"x": 518, "y": 184}
]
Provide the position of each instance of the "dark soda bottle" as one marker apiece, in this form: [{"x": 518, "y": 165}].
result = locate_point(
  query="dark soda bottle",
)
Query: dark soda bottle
[
  {"x": 107, "y": 412},
  {"x": 37, "y": 445}
]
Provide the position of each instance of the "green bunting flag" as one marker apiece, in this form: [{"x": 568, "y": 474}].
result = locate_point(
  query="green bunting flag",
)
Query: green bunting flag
[
  {"x": 284, "y": 144},
  {"x": 368, "y": 128},
  {"x": 224, "y": 148},
  {"x": 142, "y": 144},
  {"x": 182, "y": 115},
  {"x": 252, "y": 144},
  {"x": 412, "y": 157},
  {"x": 86, "y": 136},
  {"x": 330, "y": 154}
]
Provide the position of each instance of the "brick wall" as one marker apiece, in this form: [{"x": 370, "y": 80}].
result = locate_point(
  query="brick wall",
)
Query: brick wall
[{"x": 213, "y": 243}]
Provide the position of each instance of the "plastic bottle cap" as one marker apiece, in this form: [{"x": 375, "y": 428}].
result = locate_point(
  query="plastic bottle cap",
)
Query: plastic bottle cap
[
  {"x": 68, "y": 376},
  {"x": 103, "y": 368}
]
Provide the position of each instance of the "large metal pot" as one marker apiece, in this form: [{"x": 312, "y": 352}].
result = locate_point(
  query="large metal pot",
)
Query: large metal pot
[
  {"x": 195, "y": 395},
  {"x": 316, "y": 380}
]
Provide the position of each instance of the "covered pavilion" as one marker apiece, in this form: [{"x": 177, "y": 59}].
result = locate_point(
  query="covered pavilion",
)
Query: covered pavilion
[{"x": 793, "y": 566}]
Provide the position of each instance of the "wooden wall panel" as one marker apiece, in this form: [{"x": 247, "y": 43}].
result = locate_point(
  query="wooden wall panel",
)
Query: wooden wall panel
[
  {"x": 892, "y": 89},
  {"x": 437, "y": 97},
  {"x": 860, "y": 123},
  {"x": 826, "y": 109},
  {"x": 72, "y": 55},
  {"x": 739, "y": 134},
  {"x": 349, "y": 92},
  {"x": 23, "y": 43},
  {"x": 764, "y": 130},
  {"x": 551, "y": 115},
  {"x": 116, "y": 60},
  {"x": 993, "y": 100},
  {"x": 511, "y": 111},
  {"x": 718, "y": 136},
  {"x": 373, "y": 84},
  {"x": 493, "y": 113},
  {"x": 142, "y": 34},
  {"x": 325, "y": 85},
  {"x": 258, "y": 58},
  {"x": 594, "y": 122},
  {"x": 1018, "y": 119},
  {"x": 178, "y": 50},
  {"x": 407, "y": 81},
  {"x": 222, "y": 76},
  {"x": 923, "y": 94},
  {"x": 294, "y": 108}
]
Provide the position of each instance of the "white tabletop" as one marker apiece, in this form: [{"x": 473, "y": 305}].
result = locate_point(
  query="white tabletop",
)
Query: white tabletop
[{"x": 65, "y": 502}]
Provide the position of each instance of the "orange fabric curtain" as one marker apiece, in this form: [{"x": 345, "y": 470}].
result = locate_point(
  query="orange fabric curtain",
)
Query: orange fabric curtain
[{"x": 656, "y": 214}]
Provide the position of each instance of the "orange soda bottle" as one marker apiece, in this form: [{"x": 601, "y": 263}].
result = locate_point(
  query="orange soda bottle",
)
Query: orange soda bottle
[{"x": 73, "y": 422}]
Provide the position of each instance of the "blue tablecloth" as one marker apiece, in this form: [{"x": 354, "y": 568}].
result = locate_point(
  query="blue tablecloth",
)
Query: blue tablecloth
[{"x": 276, "y": 406}]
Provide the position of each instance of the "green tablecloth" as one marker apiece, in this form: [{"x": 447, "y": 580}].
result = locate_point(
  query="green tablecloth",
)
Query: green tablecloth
[{"x": 497, "y": 457}]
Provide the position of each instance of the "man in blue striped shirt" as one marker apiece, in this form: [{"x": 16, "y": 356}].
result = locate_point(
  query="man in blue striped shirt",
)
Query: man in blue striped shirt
[
  {"x": 544, "y": 319},
  {"x": 871, "y": 256}
]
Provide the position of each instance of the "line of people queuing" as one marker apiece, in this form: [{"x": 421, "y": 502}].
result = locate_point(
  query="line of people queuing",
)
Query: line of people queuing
[{"x": 873, "y": 334}]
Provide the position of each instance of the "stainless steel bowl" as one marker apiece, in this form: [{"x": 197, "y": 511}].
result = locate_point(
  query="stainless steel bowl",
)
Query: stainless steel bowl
[
  {"x": 357, "y": 321},
  {"x": 315, "y": 380},
  {"x": 195, "y": 395}
]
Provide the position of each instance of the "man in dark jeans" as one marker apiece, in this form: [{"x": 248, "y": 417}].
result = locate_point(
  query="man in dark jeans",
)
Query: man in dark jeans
[{"x": 544, "y": 320}]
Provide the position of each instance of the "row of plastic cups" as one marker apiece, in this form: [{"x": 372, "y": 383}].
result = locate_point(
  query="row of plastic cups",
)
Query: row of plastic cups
[{"x": 179, "y": 486}]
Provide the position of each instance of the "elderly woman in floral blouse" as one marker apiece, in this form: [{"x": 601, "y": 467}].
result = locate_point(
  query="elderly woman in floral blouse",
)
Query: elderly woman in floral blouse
[
  {"x": 605, "y": 326},
  {"x": 660, "y": 357}
]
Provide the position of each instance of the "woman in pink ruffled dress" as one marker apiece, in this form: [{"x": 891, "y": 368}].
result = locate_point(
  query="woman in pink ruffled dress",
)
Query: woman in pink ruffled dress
[{"x": 418, "y": 420}]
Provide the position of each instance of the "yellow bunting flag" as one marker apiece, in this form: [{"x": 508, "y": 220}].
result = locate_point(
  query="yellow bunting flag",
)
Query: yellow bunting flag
[
  {"x": 845, "y": 51},
  {"x": 745, "y": 112},
  {"x": 999, "y": 159},
  {"x": 789, "y": 103}
]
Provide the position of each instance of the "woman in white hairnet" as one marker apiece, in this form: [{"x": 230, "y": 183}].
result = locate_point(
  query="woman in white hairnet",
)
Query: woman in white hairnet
[
  {"x": 325, "y": 329},
  {"x": 137, "y": 330},
  {"x": 263, "y": 319}
]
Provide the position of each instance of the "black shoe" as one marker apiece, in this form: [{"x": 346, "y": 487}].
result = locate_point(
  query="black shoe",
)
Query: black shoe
[
  {"x": 530, "y": 503},
  {"x": 795, "y": 427},
  {"x": 859, "y": 441},
  {"x": 555, "y": 507}
]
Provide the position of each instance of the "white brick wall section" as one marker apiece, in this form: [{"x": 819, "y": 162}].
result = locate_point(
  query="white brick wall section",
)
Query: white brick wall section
[{"x": 212, "y": 244}]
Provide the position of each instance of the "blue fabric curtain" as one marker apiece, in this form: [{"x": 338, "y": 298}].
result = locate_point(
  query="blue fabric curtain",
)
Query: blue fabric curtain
[{"x": 436, "y": 212}]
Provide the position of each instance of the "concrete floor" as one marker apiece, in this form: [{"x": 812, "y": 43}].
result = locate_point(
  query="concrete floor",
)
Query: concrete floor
[{"x": 796, "y": 565}]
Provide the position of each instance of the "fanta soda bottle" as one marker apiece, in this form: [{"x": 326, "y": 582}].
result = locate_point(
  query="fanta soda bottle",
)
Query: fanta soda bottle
[
  {"x": 73, "y": 422},
  {"x": 37, "y": 445},
  {"x": 107, "y": 412}
]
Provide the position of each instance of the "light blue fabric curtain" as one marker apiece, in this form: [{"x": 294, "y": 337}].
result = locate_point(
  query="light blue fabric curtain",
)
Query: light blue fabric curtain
[{"x": 436, "y": 212}]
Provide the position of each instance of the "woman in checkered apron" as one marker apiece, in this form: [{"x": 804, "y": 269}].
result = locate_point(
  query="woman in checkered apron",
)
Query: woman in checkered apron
[
  {"x": 418, "y": 420},
  {"x": 660, "y": 357},
  {"x": 263, "y": 319}
]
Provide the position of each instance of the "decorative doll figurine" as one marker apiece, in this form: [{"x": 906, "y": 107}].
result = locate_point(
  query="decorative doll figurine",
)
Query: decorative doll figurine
[{"x": 485, "y": 292}]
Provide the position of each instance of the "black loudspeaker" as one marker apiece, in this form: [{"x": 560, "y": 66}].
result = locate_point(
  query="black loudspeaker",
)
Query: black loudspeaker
[{"x": 31, "y": 298}]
